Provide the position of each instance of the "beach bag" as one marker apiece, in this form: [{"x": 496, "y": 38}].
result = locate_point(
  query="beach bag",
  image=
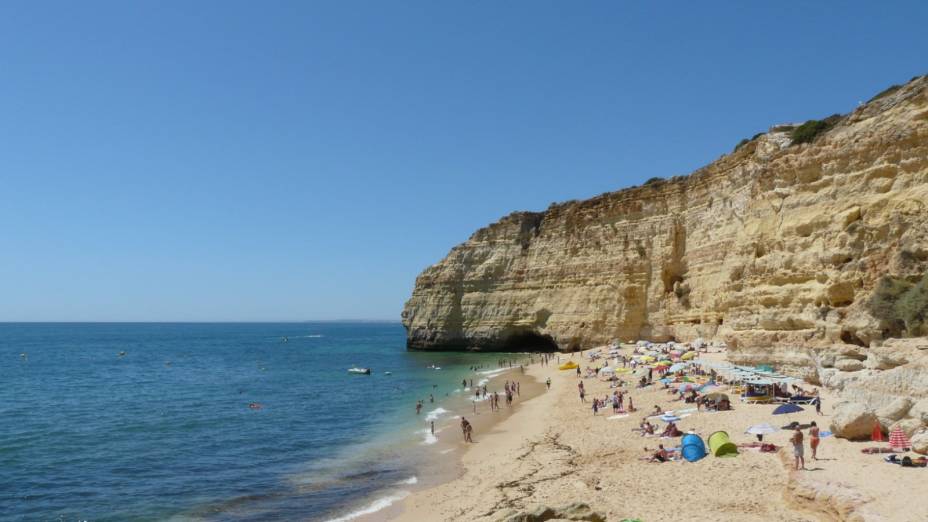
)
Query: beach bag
[{"x": 907, "y": 462}]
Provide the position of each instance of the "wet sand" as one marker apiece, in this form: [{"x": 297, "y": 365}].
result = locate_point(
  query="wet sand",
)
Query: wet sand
[{"x": 440, "y": 458}]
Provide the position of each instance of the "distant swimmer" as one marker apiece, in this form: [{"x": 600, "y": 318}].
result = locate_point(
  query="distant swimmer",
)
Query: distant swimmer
[
  {"x": 255, "y": 406},
  {"x": 121, "y": 354},
  {"x": 23, "y": 356},
  {"x": 284, "y": 339}
]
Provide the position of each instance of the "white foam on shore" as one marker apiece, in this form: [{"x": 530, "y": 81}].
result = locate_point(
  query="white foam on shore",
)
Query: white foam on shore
[
  {"x": 435, "y": 414},
  {"x": 494, "y": 373},
  {"x": 410, "y": 481},
  {"x": 375, "y": 506}
]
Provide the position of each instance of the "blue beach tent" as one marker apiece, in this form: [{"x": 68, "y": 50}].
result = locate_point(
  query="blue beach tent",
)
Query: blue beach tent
[{"x": 693, "y": 447}]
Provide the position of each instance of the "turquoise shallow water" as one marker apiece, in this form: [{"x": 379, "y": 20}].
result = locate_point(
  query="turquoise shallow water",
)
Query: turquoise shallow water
[{"x": 166, "y": 431}]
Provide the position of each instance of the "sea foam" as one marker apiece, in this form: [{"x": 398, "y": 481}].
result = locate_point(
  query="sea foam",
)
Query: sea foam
[{"x": 375, "y": 506}]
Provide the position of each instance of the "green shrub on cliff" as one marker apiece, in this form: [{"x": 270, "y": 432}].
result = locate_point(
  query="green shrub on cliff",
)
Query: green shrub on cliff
[
  {"x": 901, "y": 306},
  {"x": 913, "y": 307},
  {"x": 809, "y": 130}
]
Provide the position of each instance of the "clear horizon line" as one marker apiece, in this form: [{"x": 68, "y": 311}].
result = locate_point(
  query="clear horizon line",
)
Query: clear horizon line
[{"x": 295, "y": 321}]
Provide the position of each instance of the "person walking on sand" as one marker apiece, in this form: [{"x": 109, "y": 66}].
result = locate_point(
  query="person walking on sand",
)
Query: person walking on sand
[
  {"x": 595, "y": 406},
  {"x": 818, "y": 403},
  {"x": 548, "y": 383},
  {"x": 798, "y": 450},
  {"x": 814, "y": 440},
  {"x": 578, "y": 372}
]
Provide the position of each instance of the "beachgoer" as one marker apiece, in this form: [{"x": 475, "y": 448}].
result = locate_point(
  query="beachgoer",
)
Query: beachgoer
[
  {"x": 578, "y": 371},
  {"x": 595, "y": 406},
  {"x": 463, "y": 383},
  {"x": 658, "y": 410},
  {"x": 431, "y": 398},
  {"x": 433, "y": 427},
  {"x": 814, "y": 440},
  {"x": 818, "y": 406},
  {"x": 796, "y": 441},
  {"x": 660, "y": 455},
  {"x": 418, "y": 407},
  {"x": 548, "y": 383}
]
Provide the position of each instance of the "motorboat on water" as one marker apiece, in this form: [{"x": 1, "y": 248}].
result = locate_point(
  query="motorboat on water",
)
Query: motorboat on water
[{"x": 360, "y": 371}]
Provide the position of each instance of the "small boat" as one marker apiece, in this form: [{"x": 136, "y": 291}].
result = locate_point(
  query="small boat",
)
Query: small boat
[
  {"x": 388, "y": 373},
  {"x": 360, "y": 371}
]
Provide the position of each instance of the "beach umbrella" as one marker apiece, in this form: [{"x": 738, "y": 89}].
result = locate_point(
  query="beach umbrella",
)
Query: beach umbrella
[
  {"x": 761, "y": 429},
  {"x": 669, "y": 418},
  {"x": 665, "y": 362},
  {"x": 716, "y": 397},
  {"x": 688, "y": 356},
  {"x": 677, "y": 367},
  {"x": 647, "y": 358},
  {"x": 666, "y": 380},
  {"x": 784, "y": 409},
  {"x": 898, "y": 440},
  {"x": 685, "y": 387}
]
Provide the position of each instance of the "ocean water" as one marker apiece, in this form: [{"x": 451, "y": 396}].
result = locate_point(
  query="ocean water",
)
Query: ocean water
[{"x": 167, "y": 432}]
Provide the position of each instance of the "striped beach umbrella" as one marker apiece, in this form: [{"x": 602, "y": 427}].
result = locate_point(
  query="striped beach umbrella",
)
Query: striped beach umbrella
[{"x": 898, "y": 440}]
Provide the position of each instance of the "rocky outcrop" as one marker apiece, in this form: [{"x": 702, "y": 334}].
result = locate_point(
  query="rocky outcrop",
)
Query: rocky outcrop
[
  {"x": 775, "y": 244},
  {"x": 889, "y": 388}
]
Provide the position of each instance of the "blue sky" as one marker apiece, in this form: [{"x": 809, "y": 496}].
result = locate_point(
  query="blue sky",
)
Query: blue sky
[{"x": 232, "y": 160}]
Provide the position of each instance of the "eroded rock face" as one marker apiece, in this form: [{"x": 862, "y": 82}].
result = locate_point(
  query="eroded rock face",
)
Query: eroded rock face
[{"x": 772, "y": 245}]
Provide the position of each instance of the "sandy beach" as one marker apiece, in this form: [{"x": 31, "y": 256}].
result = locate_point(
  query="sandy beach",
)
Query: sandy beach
[{"x": 553, "y": 451}]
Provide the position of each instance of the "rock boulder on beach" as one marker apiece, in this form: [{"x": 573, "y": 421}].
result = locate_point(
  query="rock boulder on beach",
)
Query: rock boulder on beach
[{"x": 852, "y": 421}]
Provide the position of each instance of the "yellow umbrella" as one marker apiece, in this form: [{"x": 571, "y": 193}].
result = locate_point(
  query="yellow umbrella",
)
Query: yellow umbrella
[
  {"x": 647, "y": 358},
  {"x": 688, "y": 355},
  {"x": 569, "y": 365},
  {"x": 664, "y": 363}
]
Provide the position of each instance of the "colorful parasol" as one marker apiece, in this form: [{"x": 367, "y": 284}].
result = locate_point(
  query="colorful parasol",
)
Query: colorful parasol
[{"x": 898, "y": 440}]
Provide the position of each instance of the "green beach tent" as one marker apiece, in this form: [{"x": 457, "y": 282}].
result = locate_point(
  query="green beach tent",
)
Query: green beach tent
[{"x": 721, "y": 445}]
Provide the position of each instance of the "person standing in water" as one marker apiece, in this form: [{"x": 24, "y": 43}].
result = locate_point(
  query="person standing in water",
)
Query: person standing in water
[{"x": 433, "y": 427}]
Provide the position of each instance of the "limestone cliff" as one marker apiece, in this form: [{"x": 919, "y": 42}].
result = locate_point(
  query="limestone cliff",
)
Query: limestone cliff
[{"x": 775, "y": 244}]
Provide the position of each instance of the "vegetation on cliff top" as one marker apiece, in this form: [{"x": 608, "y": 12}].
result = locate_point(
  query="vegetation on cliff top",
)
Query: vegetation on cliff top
[
  {"x": 811, "y": 129},
  {"x": 901, "y": 306}
]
